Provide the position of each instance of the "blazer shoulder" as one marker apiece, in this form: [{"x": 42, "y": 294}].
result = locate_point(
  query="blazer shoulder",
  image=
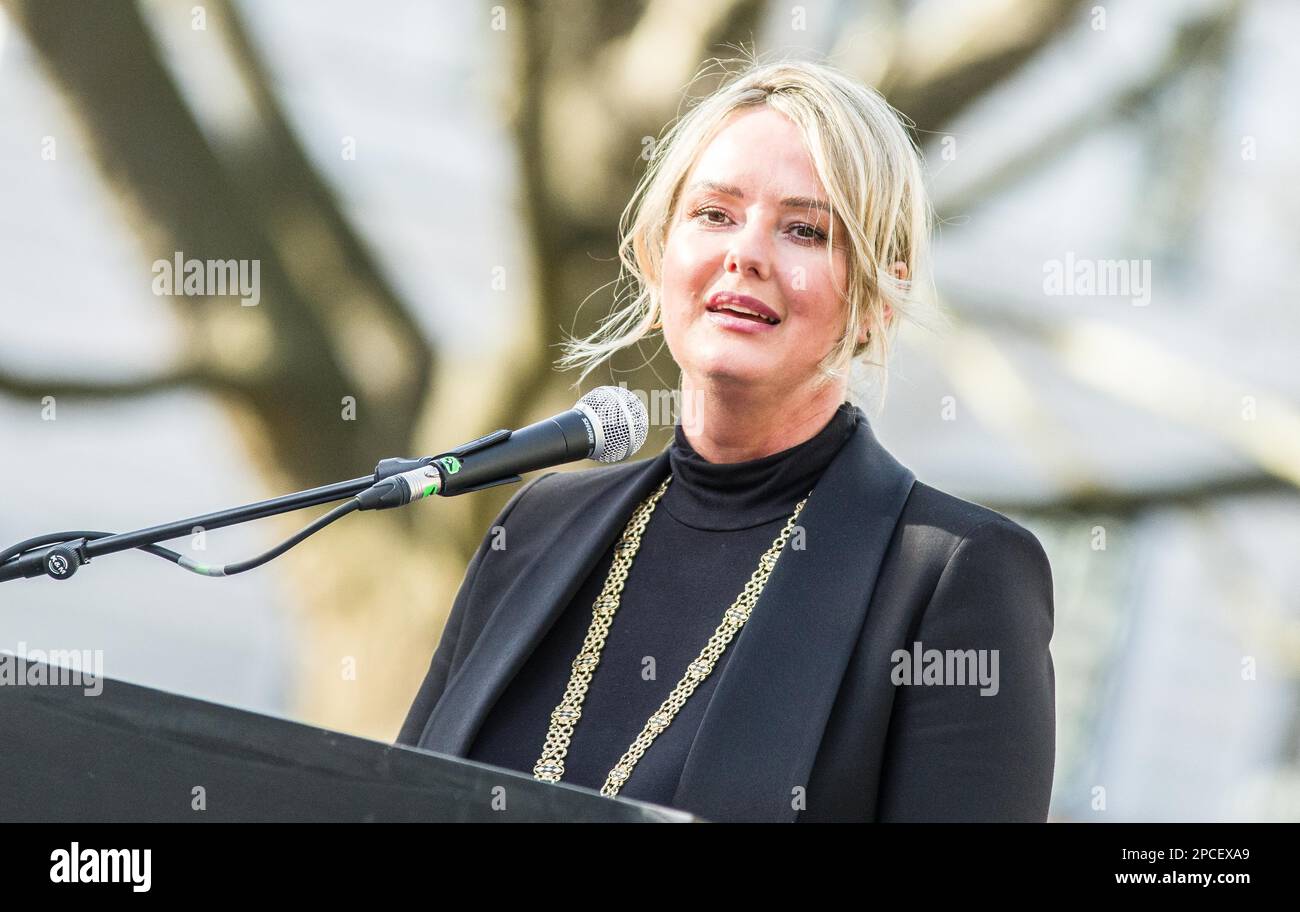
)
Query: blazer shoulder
[
  {"x": 982, "y": 564},
  {"x": 954, "y": 520}
]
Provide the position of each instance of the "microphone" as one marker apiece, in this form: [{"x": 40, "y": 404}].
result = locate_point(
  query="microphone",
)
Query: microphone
[{"x": 608, "y": 424}]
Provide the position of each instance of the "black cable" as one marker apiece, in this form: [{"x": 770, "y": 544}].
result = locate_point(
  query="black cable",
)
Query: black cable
[
  {"x": 231, "y": 569},
  {"x": 15, "y": 552}
]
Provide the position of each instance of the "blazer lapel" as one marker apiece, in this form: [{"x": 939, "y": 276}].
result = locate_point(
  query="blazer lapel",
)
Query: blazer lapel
[
  {"x": 764, "y": 724},
  {"x": 531, "y": 606}
]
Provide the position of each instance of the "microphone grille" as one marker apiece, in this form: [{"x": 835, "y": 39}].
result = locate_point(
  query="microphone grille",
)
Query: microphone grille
[{"x": 623, "y": 422}]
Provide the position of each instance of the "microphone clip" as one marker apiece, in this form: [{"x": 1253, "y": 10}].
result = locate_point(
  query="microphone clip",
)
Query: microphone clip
[
  {"x": 389, "y": 467},
  {"x": 414, "y": 483}
]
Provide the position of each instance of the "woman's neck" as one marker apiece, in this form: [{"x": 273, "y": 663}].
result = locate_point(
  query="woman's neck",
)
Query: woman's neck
[{"x": 735, "y": 423}]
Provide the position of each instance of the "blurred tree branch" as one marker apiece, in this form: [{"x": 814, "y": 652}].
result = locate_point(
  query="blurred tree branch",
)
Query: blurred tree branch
[
  {"x": 336, "y": 270},
  {"x": 1142, "y": 374},
  {"x": 21, "y": 386},
  {"x": 318, "y": 285},
  {"x": 932, "y": 92},
  {"x": 1129, "y": 502},
  {"x": 1202, "y": 37}
]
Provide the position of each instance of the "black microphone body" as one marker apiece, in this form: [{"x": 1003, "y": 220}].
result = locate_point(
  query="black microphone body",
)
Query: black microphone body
[
  {"x": 608, "y": 424},
  {"x": 566, "y": 437}
]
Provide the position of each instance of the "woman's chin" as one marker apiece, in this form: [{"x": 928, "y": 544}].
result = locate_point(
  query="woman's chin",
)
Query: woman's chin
[
  {"x": 724, "y": 368},
  {"x": 735, "y": 357}
]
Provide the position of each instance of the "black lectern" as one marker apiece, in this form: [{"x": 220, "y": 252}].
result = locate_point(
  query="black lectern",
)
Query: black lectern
[{"x": 131, "y": 753}]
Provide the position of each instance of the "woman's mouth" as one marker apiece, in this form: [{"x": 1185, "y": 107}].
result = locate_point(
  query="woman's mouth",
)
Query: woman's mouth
[{"x": 741, "y": 312}]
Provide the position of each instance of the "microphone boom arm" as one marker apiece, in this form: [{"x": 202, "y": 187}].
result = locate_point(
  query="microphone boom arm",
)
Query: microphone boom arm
[{"x": 58, "y": 555}]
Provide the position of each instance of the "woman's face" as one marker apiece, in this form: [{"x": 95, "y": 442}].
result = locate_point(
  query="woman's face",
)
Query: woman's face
[{"x": 751, "y": 221}]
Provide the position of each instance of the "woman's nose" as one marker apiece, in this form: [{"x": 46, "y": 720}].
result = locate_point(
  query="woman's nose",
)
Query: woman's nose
[{"x": 749, "y": 254}]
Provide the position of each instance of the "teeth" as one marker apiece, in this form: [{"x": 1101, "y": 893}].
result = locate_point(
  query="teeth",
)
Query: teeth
[{"x": 746, "y": 310}]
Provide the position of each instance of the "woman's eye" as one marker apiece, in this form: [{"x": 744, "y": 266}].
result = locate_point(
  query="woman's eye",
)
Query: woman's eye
[
  {"x": 706, "y": 212},
  {"x": 814, "y": 234}
]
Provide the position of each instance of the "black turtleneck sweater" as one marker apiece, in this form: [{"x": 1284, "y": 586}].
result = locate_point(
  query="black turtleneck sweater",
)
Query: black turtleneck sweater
[{"x": 701, "y": 546}]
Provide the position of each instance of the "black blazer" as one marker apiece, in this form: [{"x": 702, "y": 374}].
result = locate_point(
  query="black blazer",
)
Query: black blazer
[{"x": 805, "y": 723}]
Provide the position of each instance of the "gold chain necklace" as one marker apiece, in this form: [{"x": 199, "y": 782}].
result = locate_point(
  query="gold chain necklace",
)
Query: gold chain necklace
[{"x": 550, "y": 766}]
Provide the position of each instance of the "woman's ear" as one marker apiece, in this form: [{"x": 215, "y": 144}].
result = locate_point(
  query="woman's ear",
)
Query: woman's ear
[{"x": 899, "y": 271}]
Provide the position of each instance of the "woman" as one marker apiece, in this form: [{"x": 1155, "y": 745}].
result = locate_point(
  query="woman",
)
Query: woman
[{"x": 772, "y": 620}]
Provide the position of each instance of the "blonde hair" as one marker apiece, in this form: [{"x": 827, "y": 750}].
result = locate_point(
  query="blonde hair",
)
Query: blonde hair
[{"x": 872, "y": 173}]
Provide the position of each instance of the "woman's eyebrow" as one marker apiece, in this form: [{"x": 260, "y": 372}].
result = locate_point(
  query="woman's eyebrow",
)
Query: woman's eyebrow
[{"x": 792, "y": 202}]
